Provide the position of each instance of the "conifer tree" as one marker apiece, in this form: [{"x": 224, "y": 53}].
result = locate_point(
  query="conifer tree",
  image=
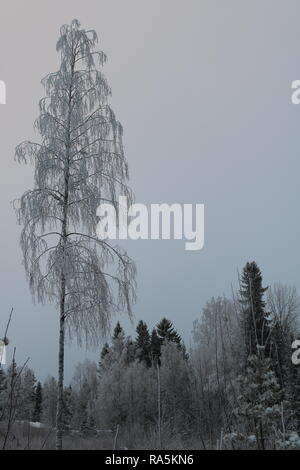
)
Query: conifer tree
[
  {"x": 255, "y": 320},
  {"x": 260, "y": 399},
  {"x": 167, "y": 333},
  {"x": 143, "y": 346}
]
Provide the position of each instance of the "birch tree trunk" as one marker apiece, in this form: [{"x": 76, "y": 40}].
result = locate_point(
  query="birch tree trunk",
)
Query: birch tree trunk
[
  {"x": 64, "y": 237},
  {"x": 60, "y": 388}
]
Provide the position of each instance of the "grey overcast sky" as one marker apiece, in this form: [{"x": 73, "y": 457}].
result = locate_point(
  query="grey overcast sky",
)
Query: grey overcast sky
[{"x": 203, "y": 90}]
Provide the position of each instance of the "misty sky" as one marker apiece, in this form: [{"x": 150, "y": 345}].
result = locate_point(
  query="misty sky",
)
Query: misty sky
[{"x": 203, "y": 90}]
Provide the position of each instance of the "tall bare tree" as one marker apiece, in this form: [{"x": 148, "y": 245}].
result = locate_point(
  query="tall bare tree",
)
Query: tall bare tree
[
  {"x": 283, "y": 303},
  {"x": 79, "y": 163}
]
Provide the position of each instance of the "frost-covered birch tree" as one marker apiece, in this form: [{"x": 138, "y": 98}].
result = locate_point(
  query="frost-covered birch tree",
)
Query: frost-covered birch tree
[{"x": 79, "y": 163}]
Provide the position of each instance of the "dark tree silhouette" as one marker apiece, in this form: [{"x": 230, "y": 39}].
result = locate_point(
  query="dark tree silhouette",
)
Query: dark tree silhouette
[
  {"x": 143, "y": 346},
  {"x": 167, "y": 333},
  {"x": 255, "y": 319}
]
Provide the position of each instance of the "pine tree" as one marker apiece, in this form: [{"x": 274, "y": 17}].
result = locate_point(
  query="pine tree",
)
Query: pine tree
[
  {"x": 143, "y": 346},
  {"x": 255, "y": 320},
  {"x": 38, "y": 409},
  {"x": 167, "y": 333}
]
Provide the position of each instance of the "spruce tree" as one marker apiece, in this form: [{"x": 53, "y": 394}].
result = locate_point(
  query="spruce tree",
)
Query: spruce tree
[
  {"x": 167, "y": 333},
  {"x": 143, "y": 346},
  {"x": 255, "y": 319},
  {"x": 260, "y": 399}
]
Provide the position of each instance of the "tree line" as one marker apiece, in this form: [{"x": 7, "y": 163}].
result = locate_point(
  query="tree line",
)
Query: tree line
[{"x": 234, "y": 388}]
